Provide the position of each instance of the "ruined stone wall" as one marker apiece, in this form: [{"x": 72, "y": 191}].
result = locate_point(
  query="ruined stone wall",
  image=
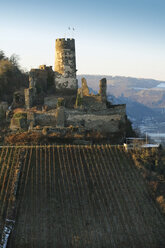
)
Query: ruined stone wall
[
  {"x": 105, "y": 120},
  {"x": 84, "y": 87},
  {"x": 103, "y": 89},
  {"x": 102, "y": 123},
  {"x": 65, "y": 65},
  {"x": 93, "y": 103},
  {"x": 119, "y": 109},
  {"x": 45, "y": 119},
  {"x": 29, "y": 97},
  {"x": 54, "y": 118},
  {"x": 38, "y": 79}
]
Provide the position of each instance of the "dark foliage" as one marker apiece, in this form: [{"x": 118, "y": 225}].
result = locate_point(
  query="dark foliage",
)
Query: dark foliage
[{"x": 12, "y": 78}]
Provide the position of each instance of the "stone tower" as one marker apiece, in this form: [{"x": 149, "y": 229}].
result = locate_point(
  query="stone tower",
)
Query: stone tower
[{"x": 65, "y": 66}]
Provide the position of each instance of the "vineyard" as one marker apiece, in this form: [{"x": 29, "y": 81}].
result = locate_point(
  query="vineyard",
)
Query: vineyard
[{"x": 75, "y": 196}]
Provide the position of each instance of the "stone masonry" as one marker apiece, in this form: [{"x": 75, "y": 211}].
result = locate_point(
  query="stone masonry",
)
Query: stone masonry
[
  {"x": 29, "y": 97},
  {"x": 103, "y": 89},
  {"x": 65, "y": 65}
]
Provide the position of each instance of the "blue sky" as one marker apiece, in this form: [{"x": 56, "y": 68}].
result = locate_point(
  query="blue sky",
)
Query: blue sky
[{"x": 113, "y": 37}]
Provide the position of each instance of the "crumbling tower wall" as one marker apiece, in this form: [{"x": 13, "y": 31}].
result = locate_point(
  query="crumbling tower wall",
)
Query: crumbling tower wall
[
  {"x": 103, "y": 89},
  {"x": 65, "y": 66}
]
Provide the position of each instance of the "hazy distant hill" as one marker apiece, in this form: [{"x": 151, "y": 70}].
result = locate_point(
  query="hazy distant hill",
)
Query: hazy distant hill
[
  {"x": 123, "y": 82},
  {"x": 144, "y": 97},
  {"x": 135, "y": 110}
]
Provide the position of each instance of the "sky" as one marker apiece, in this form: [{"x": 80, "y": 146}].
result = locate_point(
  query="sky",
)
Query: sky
[{"x": 113, "y": 37}]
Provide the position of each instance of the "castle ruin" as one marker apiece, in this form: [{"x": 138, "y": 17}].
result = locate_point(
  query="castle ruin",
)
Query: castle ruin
[{"x": 54, "y": 101}]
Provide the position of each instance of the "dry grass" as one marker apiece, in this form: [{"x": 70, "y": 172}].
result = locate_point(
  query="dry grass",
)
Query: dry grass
[
  {"x": 24, "y": 138},
  {"x": 144, "y": 161}
]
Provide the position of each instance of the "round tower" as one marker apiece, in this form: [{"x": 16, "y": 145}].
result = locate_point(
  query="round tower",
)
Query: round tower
[{"x": 65, "y": 65}]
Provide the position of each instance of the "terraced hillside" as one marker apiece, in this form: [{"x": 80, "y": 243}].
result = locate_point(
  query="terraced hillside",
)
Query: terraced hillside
[{"x": 75, "y": 196}]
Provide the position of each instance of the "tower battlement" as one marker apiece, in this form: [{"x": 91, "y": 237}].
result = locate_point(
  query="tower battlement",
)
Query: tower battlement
[
  {"x": 64, "y": 39},
  {"x": 63, "y": 43}
]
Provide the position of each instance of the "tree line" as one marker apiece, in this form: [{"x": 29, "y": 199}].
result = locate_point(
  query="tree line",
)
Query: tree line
[{"x": 12, "y": 77}]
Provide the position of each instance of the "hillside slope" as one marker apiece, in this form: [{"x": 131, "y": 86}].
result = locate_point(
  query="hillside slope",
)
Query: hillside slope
[{"x": 79, "y": 196}]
